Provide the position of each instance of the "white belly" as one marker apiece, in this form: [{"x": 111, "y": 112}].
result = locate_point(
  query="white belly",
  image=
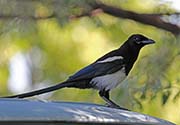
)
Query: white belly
[{"x": 109, "y": 81}]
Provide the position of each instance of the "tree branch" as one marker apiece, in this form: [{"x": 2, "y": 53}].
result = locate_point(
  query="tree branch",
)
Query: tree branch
[{"x": 150, "y": 19}]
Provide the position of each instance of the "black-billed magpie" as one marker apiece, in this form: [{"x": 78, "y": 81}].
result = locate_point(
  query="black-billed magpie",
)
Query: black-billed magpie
[{"x": 105, "y": 73}]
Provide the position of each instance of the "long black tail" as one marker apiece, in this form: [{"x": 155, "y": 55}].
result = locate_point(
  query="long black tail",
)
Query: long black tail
[{"x": 41, "y": 91}]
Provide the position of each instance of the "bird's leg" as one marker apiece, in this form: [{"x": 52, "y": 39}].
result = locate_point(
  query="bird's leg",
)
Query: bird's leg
[{"x": 105, "y": 96}]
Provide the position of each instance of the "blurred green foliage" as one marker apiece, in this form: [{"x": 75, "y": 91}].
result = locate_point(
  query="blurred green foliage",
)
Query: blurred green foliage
[{"x": 58, "y": 47}]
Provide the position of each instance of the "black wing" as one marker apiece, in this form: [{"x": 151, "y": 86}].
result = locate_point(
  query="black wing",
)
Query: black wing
[{"x": 98, "y": 69}]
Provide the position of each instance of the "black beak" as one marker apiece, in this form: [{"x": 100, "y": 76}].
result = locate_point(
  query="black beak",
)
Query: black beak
[{"x": 149, "y": 41}]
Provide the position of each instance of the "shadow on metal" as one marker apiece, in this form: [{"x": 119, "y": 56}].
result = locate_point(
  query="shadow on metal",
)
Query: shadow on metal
[{"x": 26, "y": 112}]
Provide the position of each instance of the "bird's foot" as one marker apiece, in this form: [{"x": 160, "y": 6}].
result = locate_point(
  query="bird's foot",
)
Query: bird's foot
[{"x": 116, "y": 106}]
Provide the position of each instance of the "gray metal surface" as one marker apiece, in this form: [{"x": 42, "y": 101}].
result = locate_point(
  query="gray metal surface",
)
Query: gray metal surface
[{"x": 18, "y": 111}]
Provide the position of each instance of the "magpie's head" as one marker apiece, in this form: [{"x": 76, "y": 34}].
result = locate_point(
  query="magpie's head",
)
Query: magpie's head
[{"x": 138, "y": 41}]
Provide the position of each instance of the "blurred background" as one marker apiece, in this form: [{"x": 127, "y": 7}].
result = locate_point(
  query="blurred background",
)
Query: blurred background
[{"x": 43, "y": 42}]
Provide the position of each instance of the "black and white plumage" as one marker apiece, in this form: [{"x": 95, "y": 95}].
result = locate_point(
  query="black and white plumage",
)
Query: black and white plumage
[{"x": 105, "y": 73}]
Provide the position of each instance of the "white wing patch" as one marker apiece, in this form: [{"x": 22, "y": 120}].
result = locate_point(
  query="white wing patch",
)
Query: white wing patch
[
  {"x": 110, "y": 59},
  {"x": 109, "y": 81}
]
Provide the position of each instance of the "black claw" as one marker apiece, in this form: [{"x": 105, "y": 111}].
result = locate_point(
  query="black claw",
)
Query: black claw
[
  {"x": 110, "y": 103},
  {"x": 117, "y": 107}
]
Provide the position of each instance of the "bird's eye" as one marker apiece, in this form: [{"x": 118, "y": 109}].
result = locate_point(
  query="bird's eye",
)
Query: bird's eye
[{"x": 136, "y": 39}]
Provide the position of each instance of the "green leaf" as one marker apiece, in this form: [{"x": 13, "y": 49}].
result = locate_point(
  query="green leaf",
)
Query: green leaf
[
  {"x": 165, "y": 97},
  {"x": 176, "y": 96}
]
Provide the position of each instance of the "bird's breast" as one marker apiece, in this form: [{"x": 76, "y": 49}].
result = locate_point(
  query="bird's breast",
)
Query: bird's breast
[{"x": 109, "y": 81}]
